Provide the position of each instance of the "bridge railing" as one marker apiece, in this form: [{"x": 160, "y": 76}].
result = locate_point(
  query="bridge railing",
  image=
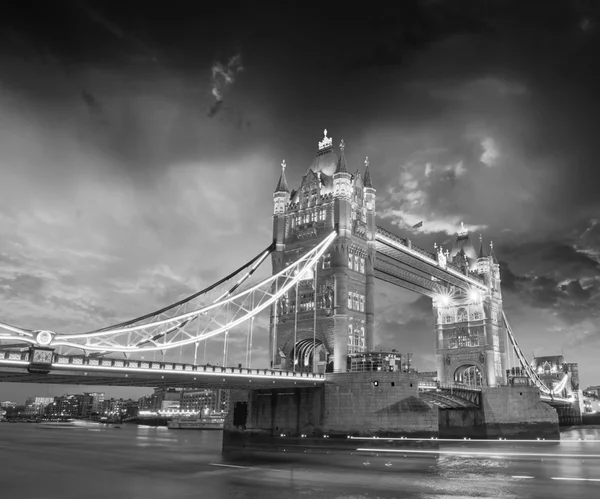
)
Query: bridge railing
[
  {"x": 446, "y": 386},
  {"x": 159, "y": 366}
]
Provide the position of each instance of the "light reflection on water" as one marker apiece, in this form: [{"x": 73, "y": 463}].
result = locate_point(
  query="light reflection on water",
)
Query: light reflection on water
[{"x": 146, "y": 462}]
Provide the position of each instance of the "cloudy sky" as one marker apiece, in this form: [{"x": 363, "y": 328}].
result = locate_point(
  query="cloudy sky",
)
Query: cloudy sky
[{"x": 140, "y": 145}]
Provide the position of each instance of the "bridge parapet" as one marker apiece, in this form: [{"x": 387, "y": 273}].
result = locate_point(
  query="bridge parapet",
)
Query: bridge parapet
[{"x": 68, "y": 360}]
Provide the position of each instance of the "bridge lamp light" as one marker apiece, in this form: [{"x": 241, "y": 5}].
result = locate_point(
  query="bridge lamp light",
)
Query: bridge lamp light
[
  {"x": 445, "y": 300},
  {"x": 474, "y": 295}
]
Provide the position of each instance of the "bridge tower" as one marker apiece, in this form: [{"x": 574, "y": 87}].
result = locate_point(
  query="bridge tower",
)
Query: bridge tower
[
  {"x": 330, "y": 313},
  {"x": 471, "y": 335}
]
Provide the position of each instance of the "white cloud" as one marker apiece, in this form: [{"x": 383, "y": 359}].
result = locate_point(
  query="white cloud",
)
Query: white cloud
[{"x": 490, "y": 151}]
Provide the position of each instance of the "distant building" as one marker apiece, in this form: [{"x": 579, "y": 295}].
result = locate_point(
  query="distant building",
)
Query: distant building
[
  {"x": 162, "y": 399},
  {"x": 121, "y": 408},
  {"x": 65, "y": 406},
  {"x": 7, "y": 403},
  {"x": 92, "y": 404},
  {"x": 552, "y": 370},
  {"x": 37, "y": 405},
  {"x": 205, "y": 400},
  {"x": 592, "y": 390}
]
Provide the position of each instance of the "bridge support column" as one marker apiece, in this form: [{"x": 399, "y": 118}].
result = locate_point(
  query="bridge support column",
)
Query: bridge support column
[
  {"x": 490, "y": 370},
  {"x": 441, "y": 369}
]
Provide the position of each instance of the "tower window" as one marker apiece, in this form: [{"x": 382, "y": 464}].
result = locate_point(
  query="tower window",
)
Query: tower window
[
  {"x": 355, "y": 267},
  {"x": 362, "y": 265},
  {"x": 350, "y": 299},
  {"x": 327, "y": 261},
  {"x": 349, "y": 260},
  {"x": 362, "y": 303}
]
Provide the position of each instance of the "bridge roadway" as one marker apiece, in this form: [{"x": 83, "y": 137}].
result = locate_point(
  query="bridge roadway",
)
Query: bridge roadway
[
  {"x": 78, "y": 370},
  {"x": 71, "y": 370}
]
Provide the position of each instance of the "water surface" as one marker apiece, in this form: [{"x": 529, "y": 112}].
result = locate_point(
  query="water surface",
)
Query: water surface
[{"x": 100, "y": 461}]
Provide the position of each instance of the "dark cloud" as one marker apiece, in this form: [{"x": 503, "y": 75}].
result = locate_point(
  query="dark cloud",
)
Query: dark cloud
[{"x": 568, "y": 298}]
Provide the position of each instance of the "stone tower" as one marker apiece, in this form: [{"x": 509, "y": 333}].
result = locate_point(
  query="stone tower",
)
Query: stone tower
[
  {"x": 331, "y": 312},
  {"x": 471, "y": 336}
]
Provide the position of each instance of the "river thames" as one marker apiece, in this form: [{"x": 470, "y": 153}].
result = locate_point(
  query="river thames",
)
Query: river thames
[{"x": 102, "y": 461}]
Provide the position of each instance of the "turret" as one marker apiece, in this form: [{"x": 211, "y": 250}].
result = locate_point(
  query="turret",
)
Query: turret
[
  {"x": 281, "y": 199},
  {"x": 462, "y": 247},
  {"x": 495, "y": 272},
  {"x": 281, "y": 196},
  {"x": 342, "y": 185},
  {"x": 483, "y": 261},
  {"x": 368, "y": 188}
]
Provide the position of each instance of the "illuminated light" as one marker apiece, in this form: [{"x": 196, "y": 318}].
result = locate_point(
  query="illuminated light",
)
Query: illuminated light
[
  {"x": 496, "y": 455},
  {"x": 576, "y": 479},
  {"x": 474, "y": 295}
]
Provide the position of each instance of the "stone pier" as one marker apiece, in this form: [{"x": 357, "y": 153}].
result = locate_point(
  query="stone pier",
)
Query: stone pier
[{"x": 373, "y": 410}]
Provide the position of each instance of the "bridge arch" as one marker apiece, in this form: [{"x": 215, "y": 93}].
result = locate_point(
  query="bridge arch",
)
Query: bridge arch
[
  {"x": 300, "y": 356},
  {"x": 469, "y": 373}
]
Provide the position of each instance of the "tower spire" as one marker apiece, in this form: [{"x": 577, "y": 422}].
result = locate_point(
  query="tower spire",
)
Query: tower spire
[
  {"x": 367, "y": 179},
  {"x": 492, "y": 254},
  {"x": 481, "y": 252},
  {"x": 341, "y": 167},
  {"x": 282, "y": 185}
]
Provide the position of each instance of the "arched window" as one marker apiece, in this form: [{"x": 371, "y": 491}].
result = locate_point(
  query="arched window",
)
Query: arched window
[
  {"x": 355, "y": 267},
  {"x": 355, "y": 300},
  {"x": 350, "y": 299},
  {"x": 362, "y": 303},
  {"x": 362, "y": 265},
  {"x": 349, "y": 260},
  {"x": 462, "y": 315}
]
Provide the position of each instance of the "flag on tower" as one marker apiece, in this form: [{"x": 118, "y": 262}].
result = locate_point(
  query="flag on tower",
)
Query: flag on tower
[{"x": 416, "y": 226}]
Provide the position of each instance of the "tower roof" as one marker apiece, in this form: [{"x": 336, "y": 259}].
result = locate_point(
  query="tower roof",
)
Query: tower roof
[
  {"x": 341, "y": 166},
  {"x": 326, "y": 160},
  {"x": 282, "y": 185},
  {"x": 481, "y": 252},
  {"x": 492, "y": 254},
  {"x": 463, "y": 242},
  {"x": 367, "y": 178}
]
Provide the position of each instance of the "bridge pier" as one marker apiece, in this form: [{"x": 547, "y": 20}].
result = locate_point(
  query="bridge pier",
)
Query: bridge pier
[
  {"x": 512, "y": 412},
  {"x": 351, "y": 412},
  {"x": 368, "y": 411}
]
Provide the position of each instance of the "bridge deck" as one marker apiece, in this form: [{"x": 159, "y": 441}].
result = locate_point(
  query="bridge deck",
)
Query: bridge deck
[
  {"x": 406, "y": 265},
  {"x": 111, "y": 372}
]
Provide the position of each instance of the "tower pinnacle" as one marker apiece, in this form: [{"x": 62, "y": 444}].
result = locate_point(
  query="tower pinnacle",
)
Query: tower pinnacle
[
  {"x": 481, "y": 252},
  {"x": 341, "y": 167},
  {"x": 326, "y": 142},
  {"x": 282, "y": 185},
  {"x": 492, "y": 254},
  {"x": 367, "y": 179}
]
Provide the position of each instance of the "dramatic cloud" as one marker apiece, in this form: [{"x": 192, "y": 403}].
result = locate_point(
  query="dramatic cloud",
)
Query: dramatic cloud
[{"x": 223, "y": 75}]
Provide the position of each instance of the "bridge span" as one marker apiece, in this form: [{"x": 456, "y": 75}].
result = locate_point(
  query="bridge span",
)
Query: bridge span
[{"x": 16, "y": 367}]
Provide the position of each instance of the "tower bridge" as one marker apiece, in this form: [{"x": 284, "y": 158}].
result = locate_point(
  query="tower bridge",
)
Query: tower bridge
[{"x": 327, "y": 252}]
